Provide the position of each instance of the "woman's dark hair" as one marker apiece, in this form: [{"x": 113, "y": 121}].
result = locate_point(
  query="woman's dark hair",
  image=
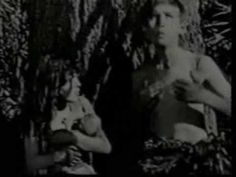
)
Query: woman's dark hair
[{"x": 60, "y": 100}]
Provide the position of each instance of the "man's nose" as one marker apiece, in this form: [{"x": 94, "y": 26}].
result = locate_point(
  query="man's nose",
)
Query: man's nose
[
  {"x": 161, "y": 21},
  {"x": 157, "y": 21}
]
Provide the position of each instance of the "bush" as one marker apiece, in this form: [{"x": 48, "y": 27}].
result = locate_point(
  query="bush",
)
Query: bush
[{"x": 207, "y": 157}]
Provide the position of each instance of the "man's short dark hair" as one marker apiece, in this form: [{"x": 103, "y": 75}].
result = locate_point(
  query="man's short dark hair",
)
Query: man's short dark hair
[
  {"x": 147, "y": 10},
  {"x": 175, "y": 3}
]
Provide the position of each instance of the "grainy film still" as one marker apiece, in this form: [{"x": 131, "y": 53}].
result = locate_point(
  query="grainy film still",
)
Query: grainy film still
[{"x": 115, "y": 87}]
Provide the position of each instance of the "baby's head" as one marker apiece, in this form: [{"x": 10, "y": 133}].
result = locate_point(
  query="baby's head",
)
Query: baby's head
[{"x": 89, "y": 124}]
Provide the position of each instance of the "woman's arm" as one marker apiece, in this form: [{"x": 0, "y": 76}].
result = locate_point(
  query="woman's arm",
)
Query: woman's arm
[
  {"x": 95, "y": 139},
  {"x": 34, "y": 161}
]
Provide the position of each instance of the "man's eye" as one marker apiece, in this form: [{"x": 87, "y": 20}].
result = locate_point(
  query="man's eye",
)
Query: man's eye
[
  {"x": 169, "y": 15},
  {"x": 151, "y": 18}
]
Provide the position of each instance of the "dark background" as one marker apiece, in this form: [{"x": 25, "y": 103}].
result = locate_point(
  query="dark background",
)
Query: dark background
[{"x": 89, "y": 35}]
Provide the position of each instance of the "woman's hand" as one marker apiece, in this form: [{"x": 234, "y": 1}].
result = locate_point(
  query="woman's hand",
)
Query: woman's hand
[
  {"x": 70, "y": 155},
  {"x": 59, "y": 156},
  {"x": 74, "y": 155}
]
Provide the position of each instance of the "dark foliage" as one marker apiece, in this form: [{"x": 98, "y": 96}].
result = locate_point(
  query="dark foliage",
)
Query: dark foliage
[{"x": 208, "y": 157}]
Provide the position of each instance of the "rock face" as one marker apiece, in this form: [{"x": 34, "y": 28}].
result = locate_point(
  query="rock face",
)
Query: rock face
[
  {"x": 192, "y": 39},
  {"x": 85, "y": 24},
  {"x": 34, "y": 34}
]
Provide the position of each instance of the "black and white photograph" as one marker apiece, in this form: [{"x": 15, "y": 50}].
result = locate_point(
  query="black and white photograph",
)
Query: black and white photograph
[{"x": 116, "y": 87}]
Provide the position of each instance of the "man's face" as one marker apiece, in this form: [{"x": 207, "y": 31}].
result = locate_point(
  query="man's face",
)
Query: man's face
[{"x": 164, "y": 25}]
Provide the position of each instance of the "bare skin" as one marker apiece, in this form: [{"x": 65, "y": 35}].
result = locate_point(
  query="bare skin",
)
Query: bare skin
[
  {"x": 187, "y": 75},
  {"x": 90, "y": 122},
  {"x": 64, "y": 120}
]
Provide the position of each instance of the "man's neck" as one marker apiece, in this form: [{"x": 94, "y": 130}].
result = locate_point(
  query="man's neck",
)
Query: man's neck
[{"x": 168, "y": 53}]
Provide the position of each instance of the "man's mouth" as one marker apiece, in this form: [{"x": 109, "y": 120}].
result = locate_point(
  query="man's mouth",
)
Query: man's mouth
[{"x": 160, "y": 33}]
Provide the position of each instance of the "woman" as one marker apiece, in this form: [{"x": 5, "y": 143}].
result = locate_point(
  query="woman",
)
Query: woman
[
  {"x": 78, "y": 117},
  {"x": 75, "y": 129}
]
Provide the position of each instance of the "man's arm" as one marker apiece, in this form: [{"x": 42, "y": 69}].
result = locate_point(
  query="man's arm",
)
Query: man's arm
[{"x": 219, "y": 95}]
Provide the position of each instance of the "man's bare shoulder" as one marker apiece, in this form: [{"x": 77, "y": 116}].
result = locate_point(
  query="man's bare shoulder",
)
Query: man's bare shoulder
[
  {"x": 205, "y": 62},
  {"x": 190, "y": 56},
  {"x": 207, "y": 66},
  {"x": 199, "y": 59}
]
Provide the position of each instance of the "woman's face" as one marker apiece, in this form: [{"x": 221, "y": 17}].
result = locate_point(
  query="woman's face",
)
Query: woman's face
[{"x": 71, "y": 89}]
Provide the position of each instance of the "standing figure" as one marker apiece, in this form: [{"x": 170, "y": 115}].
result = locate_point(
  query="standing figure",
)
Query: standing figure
[{"x": 174, "y": 83}]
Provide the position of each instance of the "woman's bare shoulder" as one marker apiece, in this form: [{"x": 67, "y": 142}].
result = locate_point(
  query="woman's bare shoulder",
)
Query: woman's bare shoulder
[{"x": 84, "y": 100}]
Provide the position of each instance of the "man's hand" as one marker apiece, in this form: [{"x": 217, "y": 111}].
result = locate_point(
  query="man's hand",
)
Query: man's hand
[{"x": 188, "y": 91}]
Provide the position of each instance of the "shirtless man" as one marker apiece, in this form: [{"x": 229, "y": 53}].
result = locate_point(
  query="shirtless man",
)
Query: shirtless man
[{"x": 182, "y": 78}]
